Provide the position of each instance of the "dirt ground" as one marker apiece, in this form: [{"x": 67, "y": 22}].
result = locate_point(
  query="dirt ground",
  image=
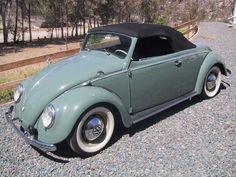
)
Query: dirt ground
[{"x": 20, "y": 52}]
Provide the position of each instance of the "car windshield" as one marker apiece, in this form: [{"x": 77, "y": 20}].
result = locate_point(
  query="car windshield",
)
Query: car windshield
[{"x": 114, "y": 44}]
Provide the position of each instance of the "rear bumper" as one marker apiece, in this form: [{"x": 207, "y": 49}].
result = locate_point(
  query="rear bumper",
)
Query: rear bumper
[{"x": 26, "y": 136}]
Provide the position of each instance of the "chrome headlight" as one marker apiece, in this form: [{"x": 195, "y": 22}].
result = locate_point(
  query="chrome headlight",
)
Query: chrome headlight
[
  {"x": 18, "y": 93},
  {"x": 48, "y": 116}
]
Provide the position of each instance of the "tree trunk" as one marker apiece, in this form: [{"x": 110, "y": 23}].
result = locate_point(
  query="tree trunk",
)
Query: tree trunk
[
  {"x": 62, "y": 32},
  {"x": 72, "y": 31},
  {"x": 94, "y": 21},
  {"x": 5, "y": 14},
  {"x": 29, "y": 17},
  {"x": 52, "y": 33},
  {"x": 80, "y": 30},
  {"x": 16, "y": 22},
  {"x": 76, "y": 29},
  {"x": 22, "y": 17},
  {"x": 8, "y": 20},
  {"x": 5, "y": 30},
  {"x": 56, "y": 32},
  {"x": 84, "y": 23},
  {"x": 129, "y": 17},
  {"x": 90, "y": 23},
  {"x": 67, "y": 31}
]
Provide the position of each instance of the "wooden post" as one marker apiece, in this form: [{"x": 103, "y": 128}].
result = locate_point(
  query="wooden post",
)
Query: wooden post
[{"x": 189, "y": 27}]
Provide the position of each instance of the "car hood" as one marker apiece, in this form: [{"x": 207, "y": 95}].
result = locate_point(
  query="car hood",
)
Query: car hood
[{"x": 57, "y": 78}]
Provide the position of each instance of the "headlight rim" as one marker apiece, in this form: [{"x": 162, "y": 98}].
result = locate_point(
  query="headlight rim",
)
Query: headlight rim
[
  {"x": 20, "y": 90},
  {"x": 51, "y": 108}
]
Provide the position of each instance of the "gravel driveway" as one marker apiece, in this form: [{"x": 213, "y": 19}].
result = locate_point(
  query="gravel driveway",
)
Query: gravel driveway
[{"x": 195, "y": 138}]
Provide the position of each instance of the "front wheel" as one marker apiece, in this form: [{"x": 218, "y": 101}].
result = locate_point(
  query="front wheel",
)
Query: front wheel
[
  {"x": 93, "y": 131},
  {"x": 212, "y": 83}
]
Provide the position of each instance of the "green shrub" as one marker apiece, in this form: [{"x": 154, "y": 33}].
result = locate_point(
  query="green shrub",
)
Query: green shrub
[
  {"x": 6, "y": 96},
  {"x": 160, "y": 21},
  {"x": 225, "y": 20}
]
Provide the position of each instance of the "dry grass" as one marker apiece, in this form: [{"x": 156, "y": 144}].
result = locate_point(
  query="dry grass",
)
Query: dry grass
[
  {"x": 16, "y": 53},
  {"x": 183, "y": 30},
  {"x": 20, "y": 73},
  {"x": 17, "y": 74},
  {"x": 20, "y": 52}
]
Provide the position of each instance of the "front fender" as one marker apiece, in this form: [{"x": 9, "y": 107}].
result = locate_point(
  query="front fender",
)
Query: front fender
[
  {"x": 211, "y": 59},
  {"x": 71, "y": 105}
]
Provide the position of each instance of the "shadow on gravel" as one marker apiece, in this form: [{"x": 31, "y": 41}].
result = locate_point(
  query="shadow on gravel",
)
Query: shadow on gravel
[
  {"x": 64, "y": 150},
  {"x": 156, "y": 118},
  {"x": 224, "y": 86}
]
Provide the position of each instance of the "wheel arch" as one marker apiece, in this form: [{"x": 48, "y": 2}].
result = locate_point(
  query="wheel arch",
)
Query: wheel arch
[
  {"x": 110, "y": 106},
  {"x": 71, "y": 105},
  {"x": 222, "y": 68},
  {"x": 212, "y": 59}
]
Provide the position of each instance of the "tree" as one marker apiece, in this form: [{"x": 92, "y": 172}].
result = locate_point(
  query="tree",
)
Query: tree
[
  {"x": 23, "y": 8},
  {"x": 29, "y": 19},
  {"x": 148, "y": 10},
  {"x": 105, "y": 10},
  {"x": 73, "y": 15},
  {"x": 16, "y": 21},
  {"x": 51, "y": 11},
  {"x": 5, "y": 9},
  {"x": 128, "y": 10}
]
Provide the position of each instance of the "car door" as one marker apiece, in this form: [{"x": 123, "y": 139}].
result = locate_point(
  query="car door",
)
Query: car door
[{"x": 158, "y": 79}]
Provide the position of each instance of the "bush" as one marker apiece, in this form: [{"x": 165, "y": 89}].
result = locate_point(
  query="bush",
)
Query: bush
[
  {"x": 160, "y": 21},
  {"x": 225, "y": 20},
  {"x": 6, "y": 96}
]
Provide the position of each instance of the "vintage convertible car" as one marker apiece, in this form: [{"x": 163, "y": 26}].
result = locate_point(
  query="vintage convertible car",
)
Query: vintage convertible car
[{"x": 123, "y": 73}]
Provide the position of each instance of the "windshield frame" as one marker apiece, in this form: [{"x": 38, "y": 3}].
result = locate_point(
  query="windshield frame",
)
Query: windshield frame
[{"x": 108, "y": 33}]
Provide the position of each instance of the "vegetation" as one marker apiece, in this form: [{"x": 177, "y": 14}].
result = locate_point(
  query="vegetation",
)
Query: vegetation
[
  {"x": 6, "y": 96},
  {"x": 20, "y": 73},
  {"x": 16, "y": 15},
  {"x": 16, "y": 74}
]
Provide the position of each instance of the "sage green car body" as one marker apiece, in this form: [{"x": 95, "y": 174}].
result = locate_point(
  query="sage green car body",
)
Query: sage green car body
[{"x": 76, "y": 84}]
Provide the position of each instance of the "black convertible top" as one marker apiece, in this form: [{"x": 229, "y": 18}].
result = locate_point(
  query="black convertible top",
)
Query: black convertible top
[{"x": 179, "y": 42}]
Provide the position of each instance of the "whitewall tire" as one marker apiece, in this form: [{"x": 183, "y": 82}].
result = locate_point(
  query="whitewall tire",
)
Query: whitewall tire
[
  {"x": 212, "y": 82},
  {"x": 93, "y": 131}
]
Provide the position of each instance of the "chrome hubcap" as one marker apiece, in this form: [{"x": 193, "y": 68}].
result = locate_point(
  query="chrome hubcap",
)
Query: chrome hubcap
[
  {"x": 211, "y": 82},
  {"x": 93, "y": 128}
]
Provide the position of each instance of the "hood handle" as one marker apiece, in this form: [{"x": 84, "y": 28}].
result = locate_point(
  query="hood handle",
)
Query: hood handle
[{"x": 100, "y": 74}]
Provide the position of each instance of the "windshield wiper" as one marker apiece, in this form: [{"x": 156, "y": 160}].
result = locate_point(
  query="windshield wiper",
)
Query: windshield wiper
[{"x": 108, "y": 53}]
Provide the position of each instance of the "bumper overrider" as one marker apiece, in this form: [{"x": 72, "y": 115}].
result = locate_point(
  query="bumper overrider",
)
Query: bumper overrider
[{"x": 26, "y": 135}]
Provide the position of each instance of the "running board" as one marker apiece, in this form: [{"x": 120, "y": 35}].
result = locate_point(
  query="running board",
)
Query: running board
[{"x": 137, "y": 117}]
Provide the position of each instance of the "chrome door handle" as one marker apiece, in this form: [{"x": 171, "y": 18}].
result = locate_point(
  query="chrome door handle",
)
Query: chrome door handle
[{"x": 178, "y": 63}]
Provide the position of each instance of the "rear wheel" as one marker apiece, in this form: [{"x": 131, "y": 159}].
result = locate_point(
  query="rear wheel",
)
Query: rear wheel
[
  {"x": 93, "y": 131},
  {"x": 212, "y": 83}
]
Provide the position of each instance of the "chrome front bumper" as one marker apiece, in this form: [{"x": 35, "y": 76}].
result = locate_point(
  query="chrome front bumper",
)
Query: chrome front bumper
[{"x": 26, "y": 136}]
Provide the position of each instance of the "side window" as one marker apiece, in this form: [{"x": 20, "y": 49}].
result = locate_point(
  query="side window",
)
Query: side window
[{"x": 151, "y": 47}]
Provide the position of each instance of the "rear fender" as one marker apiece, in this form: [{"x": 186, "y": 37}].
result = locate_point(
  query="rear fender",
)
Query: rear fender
[{"x": 211, "y": 60}]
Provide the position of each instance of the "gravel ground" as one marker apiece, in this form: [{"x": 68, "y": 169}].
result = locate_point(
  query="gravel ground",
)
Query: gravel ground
[{"x": 195, "y": 138}]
